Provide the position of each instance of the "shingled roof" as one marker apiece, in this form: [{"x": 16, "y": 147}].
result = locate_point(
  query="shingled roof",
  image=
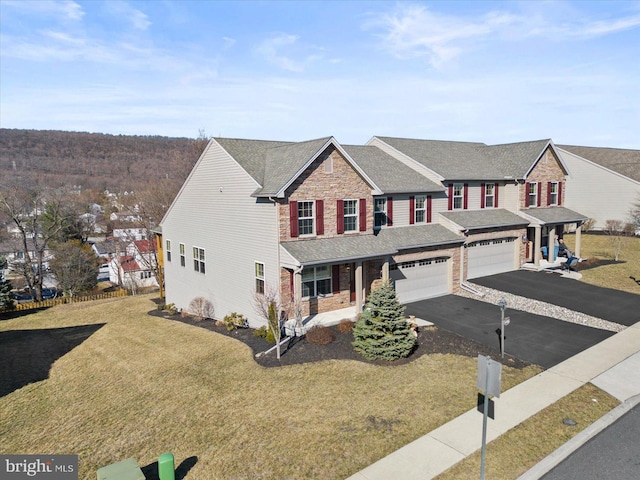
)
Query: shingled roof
[
  {"x": 470, "y": 160},
  {"x": 624, "y": 162},
  {"x": 389, "y": 174},
  {"x": 387, "y": 242},
  {"x": 487, "y": 218}
]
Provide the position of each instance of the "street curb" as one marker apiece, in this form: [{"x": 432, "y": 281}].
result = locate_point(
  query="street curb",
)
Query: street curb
[{"x": 562, "y": 452}]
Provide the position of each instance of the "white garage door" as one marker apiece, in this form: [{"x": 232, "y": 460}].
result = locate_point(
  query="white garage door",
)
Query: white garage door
[
  {"x": 489, "y": 257},
  {"x": 420, "y": 279}
]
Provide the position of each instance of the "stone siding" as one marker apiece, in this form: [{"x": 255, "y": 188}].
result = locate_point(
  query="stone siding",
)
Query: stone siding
[
  {"x": 548, "y": 169},
  {"x": 316, "y": 184}
]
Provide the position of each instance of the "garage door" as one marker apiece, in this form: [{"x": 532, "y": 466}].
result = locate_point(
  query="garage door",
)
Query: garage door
[
  {"x": 489, "y": 257},
  {"x": 420, "y": 279}
]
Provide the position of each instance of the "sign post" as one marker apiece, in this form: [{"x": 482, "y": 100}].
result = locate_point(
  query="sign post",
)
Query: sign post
[
  {"x": 503, "y": 323},
  {"x": 489, "y": 379}
]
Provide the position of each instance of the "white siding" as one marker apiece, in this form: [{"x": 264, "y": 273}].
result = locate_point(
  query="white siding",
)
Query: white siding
[
  {"x": 598, "y": 192},
  {"x": 509, "y": 197},
  {"x": 215, "y": 211}
]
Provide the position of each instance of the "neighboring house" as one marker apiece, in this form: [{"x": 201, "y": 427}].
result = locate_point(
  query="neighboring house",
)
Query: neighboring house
[
  {"x": 603, "y": 183},
  {"x": 13, "y": 251},
  {"x": 128, "y": 273},
  {"x": 130, "y": 233},
  {"x": 324, "y": 223}
]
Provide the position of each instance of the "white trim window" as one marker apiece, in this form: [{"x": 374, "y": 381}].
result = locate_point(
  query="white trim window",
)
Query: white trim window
[
  {"x": 380, "y": 212},
  {"x": 420, "y": 209},
  {"x": 316, "y": 281},
  {"x": 259, "y": 271},
  {"x": 305, "y": 217},
  {"x": 168, "y": 244},
  {"x": 553, "y": 193},
  {"x": 490, "y": 195},
  {"x": 351, "y": 215},
  {"x": 532, "y": 194},
  {"x": 458, "y": 196},
  {"x": 198, "y": 259},
  {"x": 183, "y": 257}
]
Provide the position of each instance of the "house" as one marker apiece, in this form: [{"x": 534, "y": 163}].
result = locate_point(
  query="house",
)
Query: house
[
  {"x": 603, "y": 183},
  {"x": 128, "y": 273},
  {"x": 323, "y": 223}
]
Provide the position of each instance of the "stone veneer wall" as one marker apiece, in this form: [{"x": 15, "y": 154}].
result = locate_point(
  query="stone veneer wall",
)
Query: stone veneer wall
[
  {"x": 548, "y": 169},
  {"x": 314, "y": 184}
]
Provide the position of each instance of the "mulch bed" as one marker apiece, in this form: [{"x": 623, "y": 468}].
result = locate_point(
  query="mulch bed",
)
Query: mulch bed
[
  {"x": 595, "y": 262},
  {"x": 297, "y": 351}
]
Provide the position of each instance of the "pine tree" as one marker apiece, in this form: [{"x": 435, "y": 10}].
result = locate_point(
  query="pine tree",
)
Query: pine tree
[
  {"x": 6, "y": 301},
  {"x": 382, "y": 330}
]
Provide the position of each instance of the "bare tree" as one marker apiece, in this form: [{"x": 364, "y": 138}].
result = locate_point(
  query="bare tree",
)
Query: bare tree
[
  {"x": 267, "y": 305},
  {"x": 617, "y": 238},
  {"x": 634, "y": 215},
  {"x": 39, "y": 220}
]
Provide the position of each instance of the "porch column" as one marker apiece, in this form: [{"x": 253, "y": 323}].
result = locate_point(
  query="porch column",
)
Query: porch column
[
  {"x": 578, "y": 240},
  {"x": 359, "y": 300},
  {"x": 551, "y": 244},
  {"x": 385, "y": 270},
  {"x": 537, "y": 253},
  {"x": 297, "y": 287}
]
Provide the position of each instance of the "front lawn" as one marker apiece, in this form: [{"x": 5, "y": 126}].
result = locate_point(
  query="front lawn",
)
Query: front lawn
[
  {"x": 142, "y": 385},
  {"x": 597, "y": 248}
]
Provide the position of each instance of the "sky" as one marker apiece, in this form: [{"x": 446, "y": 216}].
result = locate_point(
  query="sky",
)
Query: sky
[{"x": 492, "y": 72}]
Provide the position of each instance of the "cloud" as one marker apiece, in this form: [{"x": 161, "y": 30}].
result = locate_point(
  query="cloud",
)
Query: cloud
[
  {"x": 272, "y": 48},
  {"x": 66, "y": 9},
  {"x": 413, "y": 30},
  {"x": 139, "y": 20}
]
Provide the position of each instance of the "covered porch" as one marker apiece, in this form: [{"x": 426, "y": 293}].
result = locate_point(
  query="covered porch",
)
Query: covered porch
[{"x": 546, "y": 227}]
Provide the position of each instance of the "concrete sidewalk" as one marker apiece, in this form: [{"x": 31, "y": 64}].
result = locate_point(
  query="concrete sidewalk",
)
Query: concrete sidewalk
[{"x": 613, "y": 365}]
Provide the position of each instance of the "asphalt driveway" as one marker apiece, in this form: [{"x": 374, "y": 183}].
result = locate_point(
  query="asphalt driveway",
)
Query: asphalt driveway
[
  {"x": 613, "y": 305},
  {"x": 537, "y": 339}
]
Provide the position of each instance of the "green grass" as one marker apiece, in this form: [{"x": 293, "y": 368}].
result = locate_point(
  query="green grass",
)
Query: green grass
[
  {"x": 614, "y": 276},
  {"x": 515, "y": 452},
  {"x": 143, "y": 385}
]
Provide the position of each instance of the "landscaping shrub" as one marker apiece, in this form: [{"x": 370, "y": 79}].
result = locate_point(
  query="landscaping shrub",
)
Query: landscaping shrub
[
  {"x": 320, "y": 335},
  {"x": 345, "y": 326},
  {"x": 200, "y": 308},
  {"x": 260, "y": 332},
  {"x": 382, "y": 330},
  {"x": 234, "y": 320}
]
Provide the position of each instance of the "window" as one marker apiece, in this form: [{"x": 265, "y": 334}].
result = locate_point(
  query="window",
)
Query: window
[
  {"x": 532, "y": 194},
  {"x": 553, "y": 193},
  {"x": 259, "y": 277},
  {"x": 316, "y": 282},
  {"x": 421, "y": 209},
  {"x": 168, "y": 250},
  {"x": 183, "y": 260},
  {"x": 458, "y": 195},
  {"x": 489, "y": 195},
  {"x": 351, "y": 215},
  {"x": 198, "y": 259},
  {"x": 305, "y": 218},
  {"x": 380, "y": 212}
]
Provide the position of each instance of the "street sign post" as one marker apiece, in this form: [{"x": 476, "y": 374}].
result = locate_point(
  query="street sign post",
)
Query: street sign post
[
  {"x": 503, "y": 323},
  {"x": 489, "y": 379}
]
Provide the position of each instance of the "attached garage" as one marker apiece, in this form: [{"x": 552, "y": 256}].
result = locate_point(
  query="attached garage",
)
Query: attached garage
[
  {"x": 488, "y": 257},
  {"x": 420, "y": 279}
]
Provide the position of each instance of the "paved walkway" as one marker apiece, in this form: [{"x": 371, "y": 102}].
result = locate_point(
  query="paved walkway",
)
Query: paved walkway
[{"x": 613, "y": 365}]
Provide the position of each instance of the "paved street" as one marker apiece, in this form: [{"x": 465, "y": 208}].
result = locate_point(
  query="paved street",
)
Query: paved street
[{"x": 613, "y": 454}]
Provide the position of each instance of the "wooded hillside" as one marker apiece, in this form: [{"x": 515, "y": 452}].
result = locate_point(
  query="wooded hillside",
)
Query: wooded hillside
[{"x": 94, "y": 161}]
